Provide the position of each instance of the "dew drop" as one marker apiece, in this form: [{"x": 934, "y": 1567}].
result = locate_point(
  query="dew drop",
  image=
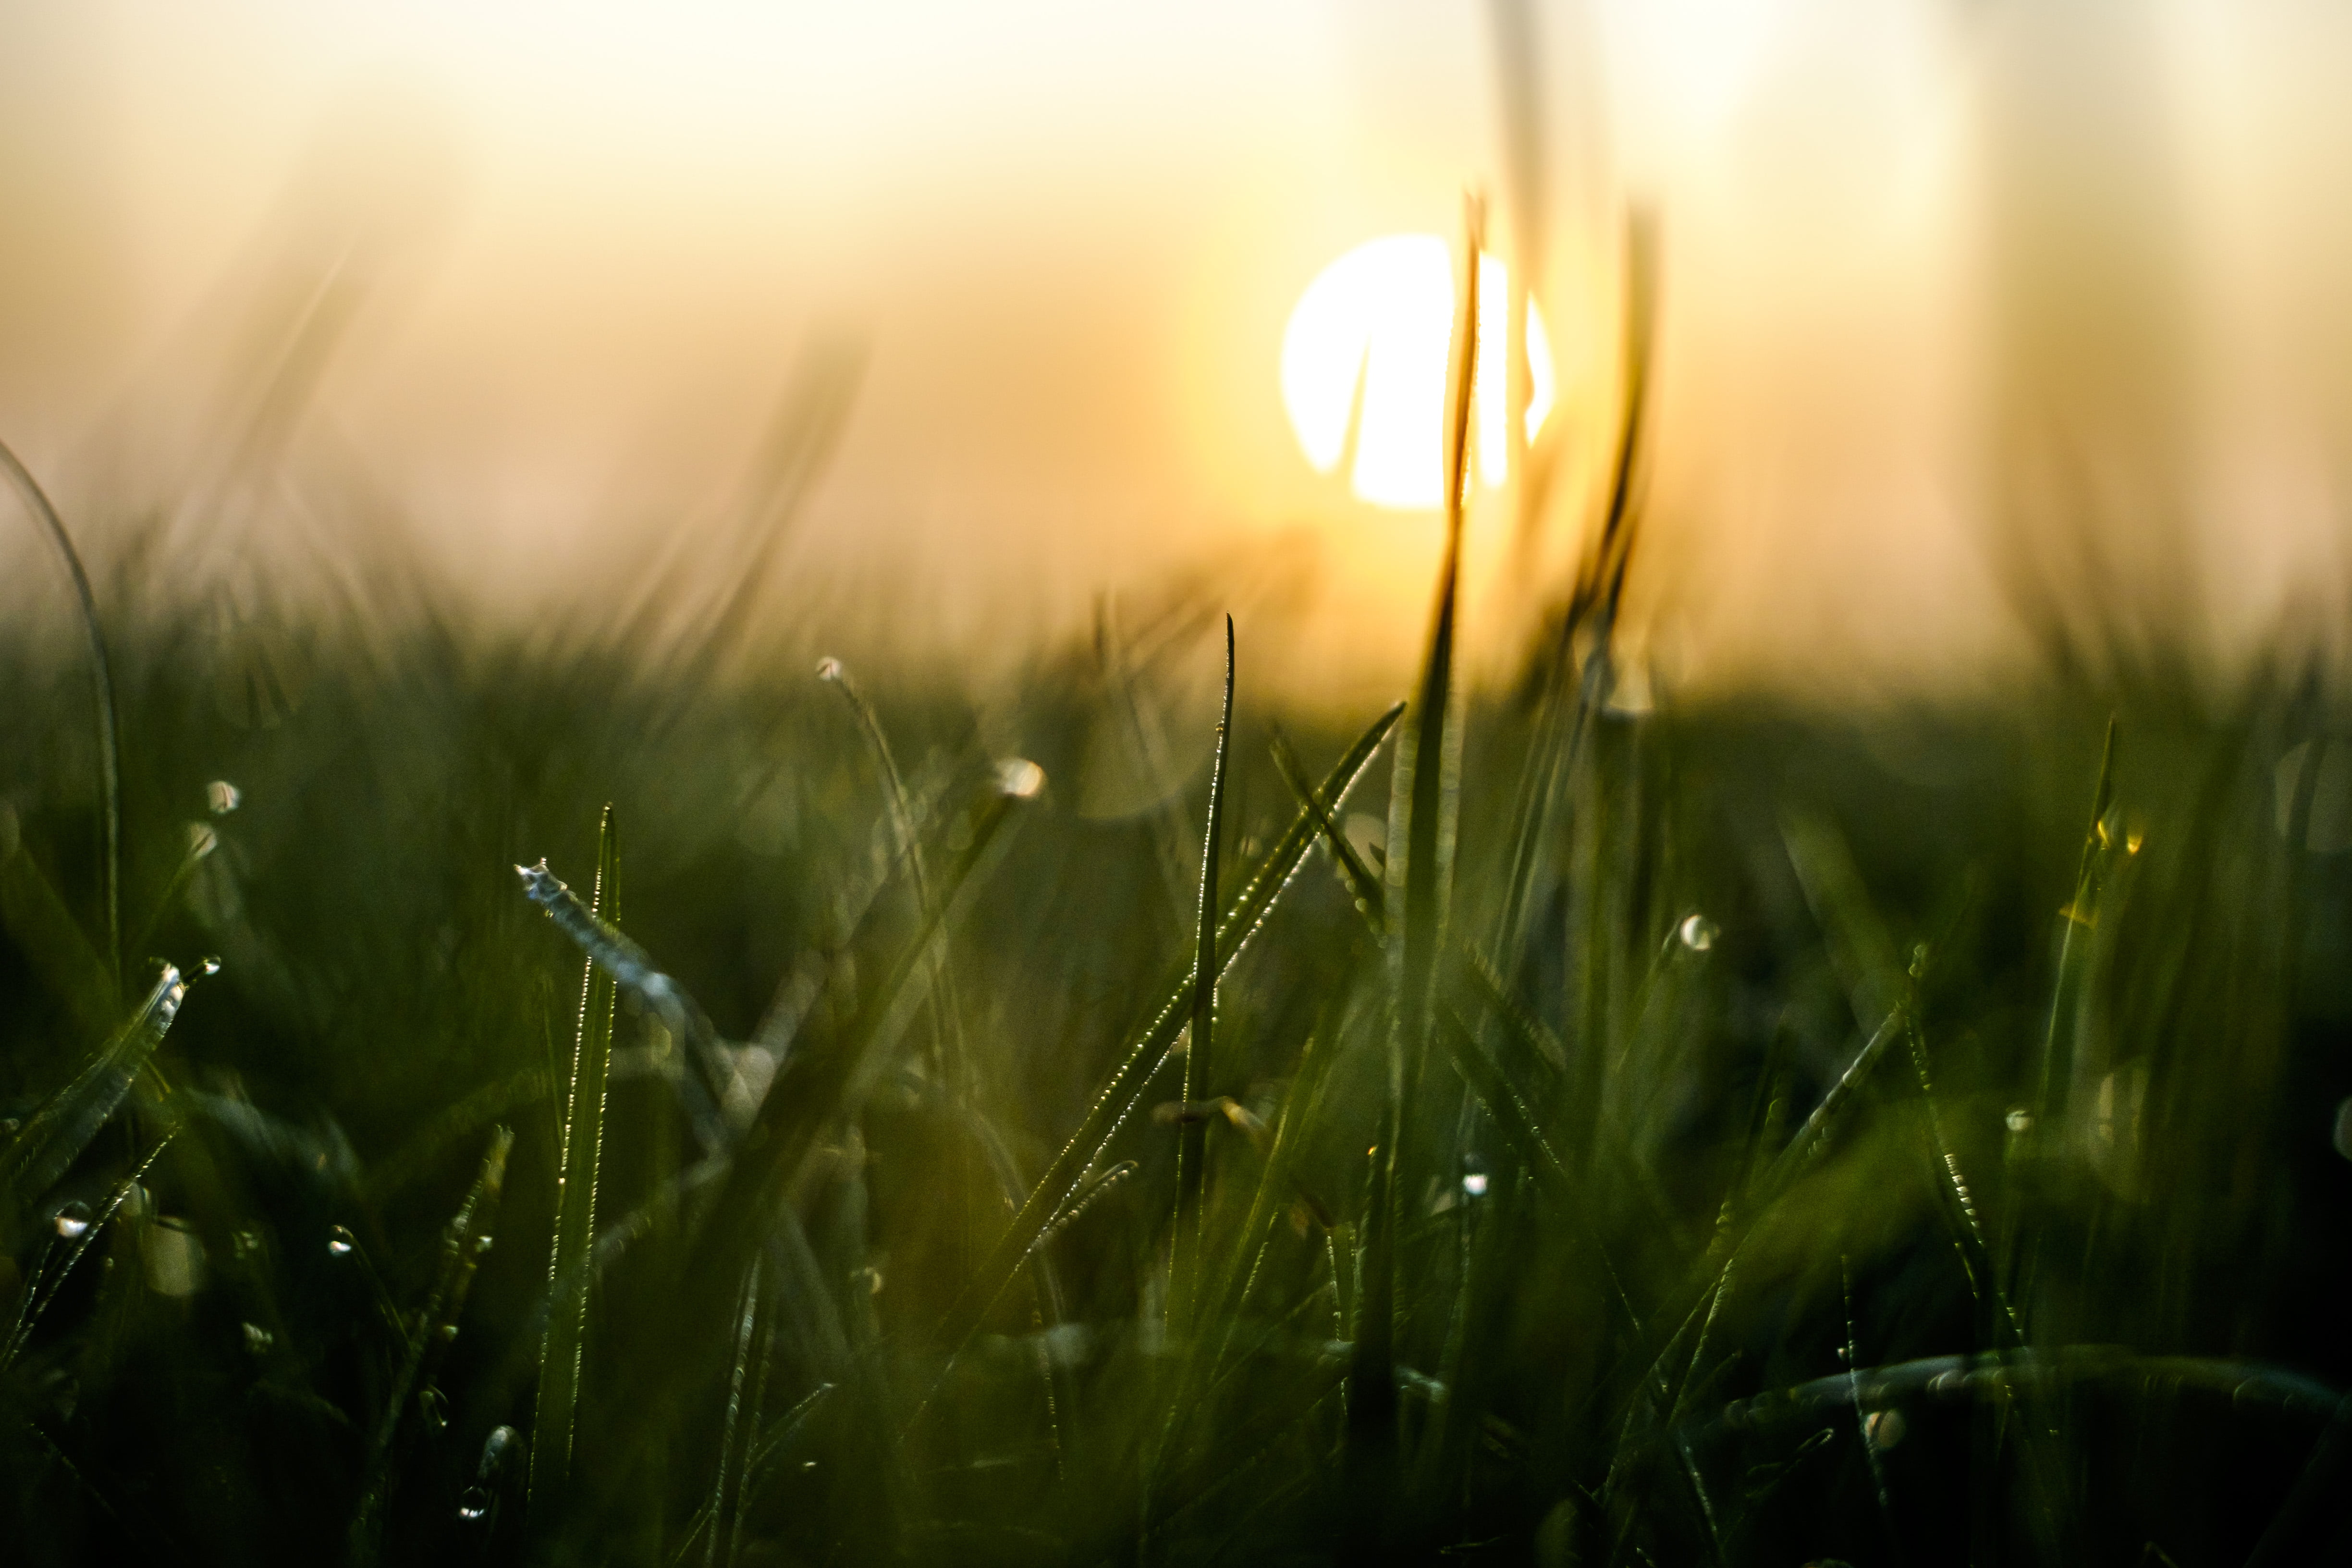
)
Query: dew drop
[
  {"x": 338, "y": 1243},
  {"x": 481, "y": 1244},
  {"x": 1698, "y": 932},
  {"x": 473, "y": 1504},
  {"x": 1473, "y": 1183},
  {"x": 202, "y": 840},
  {"x": 433, "y": 1405},
  {"x": 257, "y": 1339},
  {"x": 2018, "y": 1121},
  {"x": 221, "y": 797},
  {"x": 828, "y": 668},
  {"x": 73, "y": 1221},
  {"x": 499, "y": 1447},
  {"x": 1019, "y": 777},
  {"x": 1884, "y": 1428}
]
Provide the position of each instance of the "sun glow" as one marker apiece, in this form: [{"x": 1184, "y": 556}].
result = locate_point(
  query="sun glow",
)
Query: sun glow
[{"x": 1364, "y": 360}]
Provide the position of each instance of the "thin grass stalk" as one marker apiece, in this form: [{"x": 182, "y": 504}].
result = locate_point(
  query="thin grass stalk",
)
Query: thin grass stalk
[
  {"x": 570, "y": 1278},
  {"x": 1414, "y": 872},
  {"x": 41, "y": 1285},
  {"x": 822, "y": 1078},
  {"x": 463, "y": 1242},
  {"x": 105, "y": 716},
  {"x": 1116, "y": 1100},
  {"x": 948, "y": 1054},
  {"x": 725, "y": 1510},
  {"x": 1192, "y": 1133},
  {"x": 61, "y": 1129}
]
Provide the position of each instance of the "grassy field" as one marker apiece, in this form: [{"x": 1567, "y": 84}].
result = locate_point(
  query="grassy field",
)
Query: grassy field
[{"x": 1735, "y": 1132}]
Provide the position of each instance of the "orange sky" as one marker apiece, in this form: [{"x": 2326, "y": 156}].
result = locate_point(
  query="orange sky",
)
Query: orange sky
[{"x": 583, "y": 244}]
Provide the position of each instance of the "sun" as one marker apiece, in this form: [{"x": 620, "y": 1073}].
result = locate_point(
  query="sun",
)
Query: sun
[{"x": 1367, "y": 347}]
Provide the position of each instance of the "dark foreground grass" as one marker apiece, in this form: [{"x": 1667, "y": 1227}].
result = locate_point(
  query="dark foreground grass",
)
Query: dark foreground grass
[
  {"x": 1738, "y": 1133},
  {"x": 1885, "y": 1139}
]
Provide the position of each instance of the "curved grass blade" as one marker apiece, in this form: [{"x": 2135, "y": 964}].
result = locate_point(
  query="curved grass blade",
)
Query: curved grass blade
[
  {"x": 69, "y": 1119},
  {"x": 42, "y": 1286},
  {"x": 1419, "y": 842},
  {"x": 632, "y": 969},
  {"x": 54, "y": 943},
  {"x": 824, "y": 1075},
  {"x": 947, "y": 1045},
  {"x": 1116, "y": 1100},
  {"x": 1192, "y": 1137},
  {"x": 106, "y": 724},
  {"x": 463, "y": 1242},
  {"x": 568, "y": 1277}
]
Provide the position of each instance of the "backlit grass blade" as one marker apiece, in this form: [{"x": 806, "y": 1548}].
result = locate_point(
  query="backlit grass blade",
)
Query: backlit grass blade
[
  {"x": 947, "y": 1047},
  {"x": 633, "y": 970},
  {"x": 569, "y": 1279},
  {"x": 1419, "y": 842},
  {"x": 107, "y": 722},
  {"x": 1191, "y": 1138},
  {"x": 54, "y": 1136},
  {"x": 1116, "y": 1100},
  {"x": 463, "y": 1242},
  {"x": 824, "y": 1074},
  {"x": 41, "y": 1287}
]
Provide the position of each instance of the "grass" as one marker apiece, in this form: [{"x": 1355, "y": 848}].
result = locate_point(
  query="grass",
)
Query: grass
[{"x": 1730, "y": 1133}]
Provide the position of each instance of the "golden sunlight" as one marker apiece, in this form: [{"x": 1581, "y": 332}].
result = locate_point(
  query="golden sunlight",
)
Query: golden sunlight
[{"x": 1363, "y": 369}]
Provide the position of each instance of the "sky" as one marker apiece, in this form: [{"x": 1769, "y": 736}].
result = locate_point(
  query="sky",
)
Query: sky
[{"x": 569, "y": 258}]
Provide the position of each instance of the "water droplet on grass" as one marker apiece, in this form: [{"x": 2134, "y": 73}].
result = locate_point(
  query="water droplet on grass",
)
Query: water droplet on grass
[
  {"x": 338, "y": 1243},
  {"x": 1474, "y": 1184},
  {"x": 1698, "y": 932},
  {"x": 500, "y": 1446},
  {"x": 202, "y": 840},
  {"x": 473, "y": 1503},
  {"x": 828, "y": 668},
  {"x": 221, "y": 797},
  {"x": 257, "y": 1339},
  {"x": 73, "y": 1221},
  {"x": 433, "y": 1405},
  {"x": 1019, "y": 777},
  {"x": 1884, "y": 1428},
  {"x": 2019, "y": 1121}
]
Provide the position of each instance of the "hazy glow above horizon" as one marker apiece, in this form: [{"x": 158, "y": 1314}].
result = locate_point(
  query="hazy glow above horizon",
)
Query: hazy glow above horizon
[{"x": 1368, "y": 344}]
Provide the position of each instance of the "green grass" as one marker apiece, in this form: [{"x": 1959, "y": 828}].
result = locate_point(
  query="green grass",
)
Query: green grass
[{"x": 1734, "y": 1133}]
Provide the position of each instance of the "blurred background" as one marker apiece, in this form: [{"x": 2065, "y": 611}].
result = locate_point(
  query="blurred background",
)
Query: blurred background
[{"x": 1988, "y": 333}]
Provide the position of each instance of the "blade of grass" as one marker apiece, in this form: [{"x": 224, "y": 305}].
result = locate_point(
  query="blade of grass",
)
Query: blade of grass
[
  {"x": 1417, "y": 836},
  {"x": 1116, "y": 1100},
  {"x": 56, "y": 1133},
  {"x": 580, "y": 1160},
  {"x": 106, "y": 724},
  {"x": 463, "y": 1242},
  {"x": 1192, "y": 1137}
]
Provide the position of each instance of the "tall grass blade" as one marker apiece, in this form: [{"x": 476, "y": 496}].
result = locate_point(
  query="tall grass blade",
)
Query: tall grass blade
[
  {"x": 1116, "y": 1099},
  {"x": 1418, "y": 837},
  {"x": 569, "y": 1278},
  {"x": 947, "y": 1045},
  {"x": 1192, "y": 1139},
  {"x": 61, "y": 1129},
  {"x": 105, "y": 717},
  {"x": 463, "y": 1242}
]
